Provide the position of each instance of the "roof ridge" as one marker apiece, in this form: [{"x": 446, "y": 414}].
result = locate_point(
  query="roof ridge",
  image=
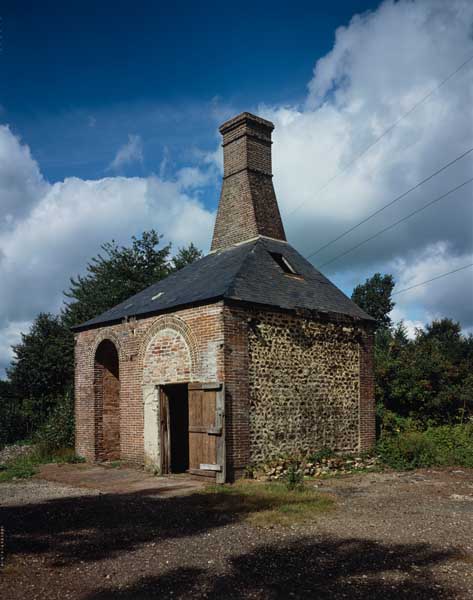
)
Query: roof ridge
[{"x": 231, "y": 287}]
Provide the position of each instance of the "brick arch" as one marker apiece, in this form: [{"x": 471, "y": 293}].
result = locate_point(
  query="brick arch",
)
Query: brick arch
[
  {"x": 99, "y": 338},
  {"x": 169, "y": 352}
]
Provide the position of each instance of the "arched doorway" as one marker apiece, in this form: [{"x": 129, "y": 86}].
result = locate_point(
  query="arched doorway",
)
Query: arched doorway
[{"x": 107, "y": 402}]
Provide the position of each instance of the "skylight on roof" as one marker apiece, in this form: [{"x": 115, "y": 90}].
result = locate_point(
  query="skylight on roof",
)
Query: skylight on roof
[{"x": 283, "y": 263}]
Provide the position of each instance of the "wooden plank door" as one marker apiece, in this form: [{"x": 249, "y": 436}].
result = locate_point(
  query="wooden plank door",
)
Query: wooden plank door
[
  {"x": 165, "y": 434},
  {"x": 207, "y": 430}
]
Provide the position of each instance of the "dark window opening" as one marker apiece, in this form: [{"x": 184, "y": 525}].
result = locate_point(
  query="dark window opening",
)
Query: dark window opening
[{"x": 283, "y": 263}]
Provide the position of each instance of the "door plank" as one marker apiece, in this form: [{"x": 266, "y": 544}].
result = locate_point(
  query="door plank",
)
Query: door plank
[{"x": 204, "y": 430}]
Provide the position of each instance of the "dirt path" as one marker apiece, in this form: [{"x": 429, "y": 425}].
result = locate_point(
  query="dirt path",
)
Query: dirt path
[
  {"x": 391, "y": 536},
  {"x": 118, "y": 480}
]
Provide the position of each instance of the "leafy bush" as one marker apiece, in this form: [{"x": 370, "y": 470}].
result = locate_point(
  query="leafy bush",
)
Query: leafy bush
[
  {"x": 448, "y": 445},
  {"x": 12, "y": 419},
  {"x": 454, "y": 444},
  {"x": 408, "y": 450},
  {"x": 58, "y": 430}
]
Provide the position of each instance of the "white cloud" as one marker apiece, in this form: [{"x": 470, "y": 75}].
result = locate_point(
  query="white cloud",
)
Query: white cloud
[
  {"x": 192, "y": 177},
  {"x": 68, "y": 221},
  {"x": 381, "y": 64},
  {"x": 11, "y": 334},
  {"x": 21, "y": 183},
  {"x": 129, "y": 153},
  {"x": 446, "y": 296}
]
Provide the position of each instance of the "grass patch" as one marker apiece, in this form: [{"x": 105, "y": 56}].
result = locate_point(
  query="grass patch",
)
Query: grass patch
[
  {"x": 21, "y": 468},
  {"x": 26, "y": 466},
  {"x": 268, "y": 504}
]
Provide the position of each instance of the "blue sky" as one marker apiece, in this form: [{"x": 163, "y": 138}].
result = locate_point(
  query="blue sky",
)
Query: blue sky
[
  {"x": 81, "y": 75},
  {"x": 109, "y": 116}
]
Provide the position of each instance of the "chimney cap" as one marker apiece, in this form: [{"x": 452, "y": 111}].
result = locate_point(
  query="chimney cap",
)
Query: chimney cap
[{"x": 245, "y": 118}]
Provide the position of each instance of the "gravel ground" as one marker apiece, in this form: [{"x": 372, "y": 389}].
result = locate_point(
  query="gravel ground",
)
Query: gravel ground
[
  {"x": 392, "y": 535},
  {"x": 33, "y": 491}
]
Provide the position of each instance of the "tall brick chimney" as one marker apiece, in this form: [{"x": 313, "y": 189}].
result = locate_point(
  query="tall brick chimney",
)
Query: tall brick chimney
[{"x": 248, "y": 205}]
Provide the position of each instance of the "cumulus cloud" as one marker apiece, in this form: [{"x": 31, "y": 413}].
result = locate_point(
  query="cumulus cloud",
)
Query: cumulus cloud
[
  {"x": 381, "y": 65},
  {"x": 444, "y": 296},
  {"x": 64, "y": 224},
  {"x": 129, "y": 153},
  {"x": 21, "y": 183}
]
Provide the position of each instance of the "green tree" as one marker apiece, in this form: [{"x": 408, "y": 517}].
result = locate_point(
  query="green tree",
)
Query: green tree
[
  {"x": 185, "y": 256},
  {"x": 428, "y": 378},
  {"x": 42, "y": 368},
  {"x": 374, "y": 297},
  {"x": 119, "y": 272}
]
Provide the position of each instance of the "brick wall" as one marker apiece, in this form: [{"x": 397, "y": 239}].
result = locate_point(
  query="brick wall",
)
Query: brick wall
[
  {"x": 237, "y": 391},
  {"x": 184, "y": 346},
  {"x": 367, "y": 404}
]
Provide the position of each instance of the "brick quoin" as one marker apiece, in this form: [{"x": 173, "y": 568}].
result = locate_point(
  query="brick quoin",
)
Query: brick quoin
[{"x": 294, "y": 381}]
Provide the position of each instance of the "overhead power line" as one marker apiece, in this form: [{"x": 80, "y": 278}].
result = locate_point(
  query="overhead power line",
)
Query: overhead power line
[
  {"x": 433, "y": 279},
  {"x": 398, "y": 222},
  {"x": 400, "y": 197},
  {"x": 385, "y": 132}
]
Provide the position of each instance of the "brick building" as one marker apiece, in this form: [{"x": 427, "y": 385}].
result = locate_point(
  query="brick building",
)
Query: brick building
[{"x": 246, "y": 354}]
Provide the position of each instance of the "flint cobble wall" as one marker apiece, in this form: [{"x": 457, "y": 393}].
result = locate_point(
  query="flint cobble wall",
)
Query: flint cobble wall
[{"x": 310, "y": 386}]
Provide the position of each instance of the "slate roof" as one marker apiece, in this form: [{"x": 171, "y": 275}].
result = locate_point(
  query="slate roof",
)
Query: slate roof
[{"x": 245, "y": 272}]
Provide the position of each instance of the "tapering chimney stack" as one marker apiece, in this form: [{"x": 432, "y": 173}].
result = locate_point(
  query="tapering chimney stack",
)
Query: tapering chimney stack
[{"x": 248, "y": 205}]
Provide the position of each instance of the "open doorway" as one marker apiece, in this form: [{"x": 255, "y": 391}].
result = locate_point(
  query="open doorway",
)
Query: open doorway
[{"x": 175, "y": 428}]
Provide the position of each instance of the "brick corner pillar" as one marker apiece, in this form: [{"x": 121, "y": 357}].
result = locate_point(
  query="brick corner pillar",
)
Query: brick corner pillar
[
  {"x": 84, "y": 399},
  {"x": 367, "y": 434},
  {"x": 248, "y": 206},
  {"x": 237, "y": 392}
]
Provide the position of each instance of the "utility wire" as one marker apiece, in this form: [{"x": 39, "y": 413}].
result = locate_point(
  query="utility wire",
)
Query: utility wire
[
  {"x": 433, "y": 279},
  {"x": 385, "y": 132},
  {"x": 403, "y": 195},
  {"x": 398, "y": 222}
]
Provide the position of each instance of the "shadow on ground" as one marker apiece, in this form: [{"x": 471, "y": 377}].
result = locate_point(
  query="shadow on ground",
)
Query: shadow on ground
[
  {"x": 93, "y": 528},
  {"x": 329, "y": 568}
]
